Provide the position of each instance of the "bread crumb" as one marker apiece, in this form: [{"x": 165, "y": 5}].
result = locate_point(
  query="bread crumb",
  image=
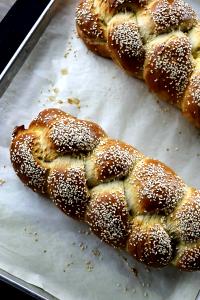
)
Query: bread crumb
[
  {"x": 118, "y": 284},
  {"x": 89, "y": 266},
  {"x": 64, "y": 71},
  {"x": 2, "y": 181},
  {"x": 60, "y": 101},
  {"x": 52, "y": 98},
  {"x": 74, "y": 101},
  {"x": 134, "y": 270},
  {"x": 147, "y": 269},
  {"x": 56, "y": 90},
  {"x": 82, "y": 246},
  {"x": 96, "y": 252}
]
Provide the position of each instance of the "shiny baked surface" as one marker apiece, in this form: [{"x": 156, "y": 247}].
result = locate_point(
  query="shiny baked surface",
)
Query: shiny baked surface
[
  {"x": 130, "y": 201},
  {"x": 154, "y": 40}
]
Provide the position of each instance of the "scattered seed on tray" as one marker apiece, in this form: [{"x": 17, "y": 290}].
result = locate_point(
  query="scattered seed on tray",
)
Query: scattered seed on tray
[
  {"x": 89, "y": 266},
  {"x": 2, "y": 181},
  {"x": 96, "y": 252},
  {"x": 56, "y": 91},
  {"x": 74, "y": 101},
  {"x": 64, "y": 71}
]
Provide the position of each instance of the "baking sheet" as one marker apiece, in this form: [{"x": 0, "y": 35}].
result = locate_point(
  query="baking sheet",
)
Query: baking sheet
[
  {"x": 4, "y": 7},
  {"x": 38, "y": 243}
]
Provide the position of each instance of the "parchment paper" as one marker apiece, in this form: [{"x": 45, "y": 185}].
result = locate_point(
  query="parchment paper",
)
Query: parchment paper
[{"x": 38, "y": 243}]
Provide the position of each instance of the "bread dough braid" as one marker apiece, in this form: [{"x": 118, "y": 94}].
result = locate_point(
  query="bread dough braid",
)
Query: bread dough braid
[
  {"x": 154, "y": 40},
  {"x": 129, "y": 201}
]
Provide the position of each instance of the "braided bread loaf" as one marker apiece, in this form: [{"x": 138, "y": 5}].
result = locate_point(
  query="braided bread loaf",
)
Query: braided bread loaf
[
  {"x": 129, "y": 201},
  {"x": 154, "y": 40}
]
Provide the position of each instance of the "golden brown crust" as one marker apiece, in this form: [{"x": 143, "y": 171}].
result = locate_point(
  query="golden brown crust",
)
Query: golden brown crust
[
  {"x": 187, "y": 218},
  {"x": 108, "y": 218},
  {"x": 172, "y": 14},
  {"x": 100, "y": 48},
  {"x": 150, "y": 243},
  {"x": 168, "y": 68},
  {"x": 157, "y": 41},
  {"x": 112, "y": 159},
  {"x": 88, "y": 21},
  {"x": 191, "y": 101},
  {"x": 155, "y": 187},
  {"x": 185, "y": 257},
  {"x": 128, "y": 200},
  {"x": 25, "y": 158},
  {"x": 68, "y": 190},
  {"x": 47, "y": 117},
  {"x": 122, "y": 5},
  {"x": 70, "y": 135},
  {"x": 126, "y": 47}
]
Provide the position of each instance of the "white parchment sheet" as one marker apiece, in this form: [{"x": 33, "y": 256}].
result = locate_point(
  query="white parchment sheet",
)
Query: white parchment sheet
[{"x": 38, "y": 243}]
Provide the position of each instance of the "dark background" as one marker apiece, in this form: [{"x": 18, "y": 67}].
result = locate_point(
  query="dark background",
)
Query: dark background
[{"x": 8, "y": 292}]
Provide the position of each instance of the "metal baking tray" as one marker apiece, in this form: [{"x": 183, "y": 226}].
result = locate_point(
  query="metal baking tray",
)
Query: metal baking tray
[
  {"x": 20, "y": 30},
  {"x": 10, "y": 63},
  {"x": 25, "y": 287}
]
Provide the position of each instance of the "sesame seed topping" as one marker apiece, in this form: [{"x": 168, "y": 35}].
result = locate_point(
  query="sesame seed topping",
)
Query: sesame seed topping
[
  {"x": 108, "y": 217},
  {"x": 105, "y": 207},
  {"x": 188, "y": 218},
  {"x": 118, "y": 3},
  {"x": 115, "y": 161},
  {"x": 195, "y": 90},
  {"x": 154, "y": 244},
  {"x": 159, "y": 189},
  {"x": 168, "y": 15},
  {"x": 68, "y": 190},
  {"x": 136, "y": 25},
  {"x": 26, "y": 164},
  {"x": 72, "y": 135},
  {"x": 189, "y": 258},
  {"x": 127, "y": 36},
  {"x": 88, "y": 20},
  {"x": 171, "y": 62}
]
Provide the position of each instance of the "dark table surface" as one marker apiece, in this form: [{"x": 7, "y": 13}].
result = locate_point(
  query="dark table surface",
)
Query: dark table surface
[{"x": 10, "y": 292}]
